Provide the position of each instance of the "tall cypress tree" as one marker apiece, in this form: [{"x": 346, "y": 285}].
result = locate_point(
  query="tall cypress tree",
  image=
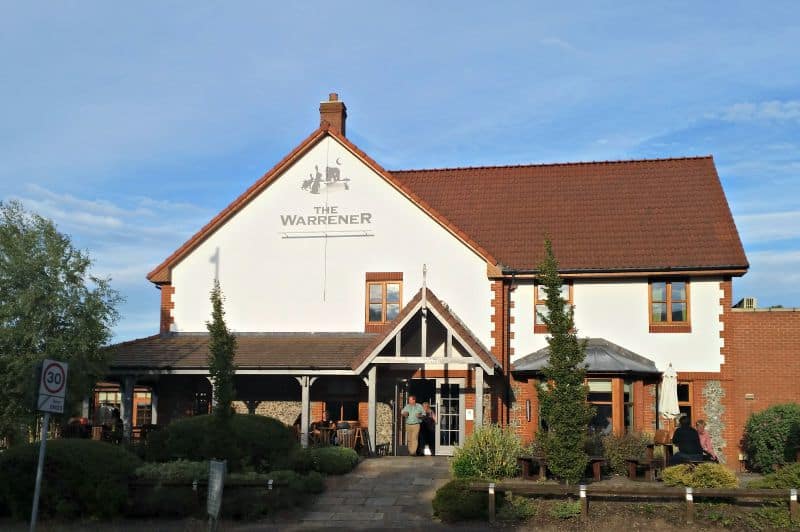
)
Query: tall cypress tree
[
  {"x": 564, "y": 409},
  {"x": 221, "y": 351}
]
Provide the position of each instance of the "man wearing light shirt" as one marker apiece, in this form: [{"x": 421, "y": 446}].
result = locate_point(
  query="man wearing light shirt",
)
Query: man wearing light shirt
[{"x": 413, "y": 414}]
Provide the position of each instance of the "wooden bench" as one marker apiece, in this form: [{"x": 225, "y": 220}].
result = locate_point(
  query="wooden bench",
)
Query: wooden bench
[
  {"x": 649, "y": 463},
  {"x": 526, "y": 464}
]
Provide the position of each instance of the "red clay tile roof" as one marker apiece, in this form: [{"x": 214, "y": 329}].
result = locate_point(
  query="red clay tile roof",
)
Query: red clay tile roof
[
  {"x": 649, "y": 215},
  {"x": 256, "y": 351}
]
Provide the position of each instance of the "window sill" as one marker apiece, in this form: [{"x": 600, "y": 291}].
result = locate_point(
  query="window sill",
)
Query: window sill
[
  {"x": 671, "y": 328},
  {"x": 375, "y": 327},
  {"x": 540, "y": 329}
]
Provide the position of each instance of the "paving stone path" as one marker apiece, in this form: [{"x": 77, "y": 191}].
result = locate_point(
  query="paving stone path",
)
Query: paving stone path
[{"x": 387, "y": 492}]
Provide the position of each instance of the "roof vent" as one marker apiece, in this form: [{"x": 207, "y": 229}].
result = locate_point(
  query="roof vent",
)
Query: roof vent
[{"x": 746, "y": 303}]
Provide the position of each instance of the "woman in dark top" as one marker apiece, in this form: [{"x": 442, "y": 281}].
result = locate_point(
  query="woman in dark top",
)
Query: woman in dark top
[{"x": 688, "y": 441}]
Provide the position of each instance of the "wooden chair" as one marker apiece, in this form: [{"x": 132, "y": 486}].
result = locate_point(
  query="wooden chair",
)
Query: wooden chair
[{"x": 346, "y": 438}]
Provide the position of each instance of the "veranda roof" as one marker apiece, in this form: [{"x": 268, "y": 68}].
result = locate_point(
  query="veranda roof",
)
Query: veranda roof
[
  {"x": 602, "y": 356},
  {"x": 255, "y": 351}
]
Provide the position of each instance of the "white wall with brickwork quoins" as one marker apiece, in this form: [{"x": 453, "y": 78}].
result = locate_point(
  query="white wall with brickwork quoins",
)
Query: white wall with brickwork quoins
[
  {"x": 617, "y": 310},
  {"x": 272, "y": 283}
]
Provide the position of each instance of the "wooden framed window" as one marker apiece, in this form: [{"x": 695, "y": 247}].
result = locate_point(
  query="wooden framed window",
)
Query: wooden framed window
[
  {"x": 601, "y": 397},
  {"x": 685, "y": 399},
  {"x": 540, "y": 304},
  {"x": 627, "y": 403},
  {"x": 342, "y": 410},
  {"x": 669, "y": 305},
  {"x": 384, "y": 299}
]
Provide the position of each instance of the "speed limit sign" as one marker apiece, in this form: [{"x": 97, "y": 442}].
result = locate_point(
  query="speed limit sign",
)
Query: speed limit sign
[{"x": 52, "y": 387}]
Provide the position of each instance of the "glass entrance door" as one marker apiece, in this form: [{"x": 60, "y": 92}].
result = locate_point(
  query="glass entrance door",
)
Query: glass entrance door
[{"x": 450, "y": 415}]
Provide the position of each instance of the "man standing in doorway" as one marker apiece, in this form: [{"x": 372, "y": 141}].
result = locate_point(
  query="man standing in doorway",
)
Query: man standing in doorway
[{"x": 413, "y": 413}]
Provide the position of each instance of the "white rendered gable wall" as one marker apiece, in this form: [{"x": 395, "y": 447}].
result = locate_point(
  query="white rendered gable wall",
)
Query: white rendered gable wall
[
  {"x": 618, "y": 312},
  {"x": 274, "y": 283}
]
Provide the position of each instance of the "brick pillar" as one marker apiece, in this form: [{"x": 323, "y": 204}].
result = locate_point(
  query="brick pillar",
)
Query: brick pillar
[{"x": 167, "y": 304}]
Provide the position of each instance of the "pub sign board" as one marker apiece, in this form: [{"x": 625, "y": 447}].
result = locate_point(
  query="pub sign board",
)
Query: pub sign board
[{"x": 52, "y": 386}]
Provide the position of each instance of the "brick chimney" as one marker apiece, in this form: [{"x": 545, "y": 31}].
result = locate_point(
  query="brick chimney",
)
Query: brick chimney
[{"x": 333, "y": 112}]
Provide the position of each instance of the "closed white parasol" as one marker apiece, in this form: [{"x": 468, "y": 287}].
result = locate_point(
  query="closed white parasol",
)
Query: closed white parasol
[{"x": 668, "y": 394}]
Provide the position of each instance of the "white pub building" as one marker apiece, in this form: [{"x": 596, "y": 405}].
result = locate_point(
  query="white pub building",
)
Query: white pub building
[{"x": 350, "y": 287}]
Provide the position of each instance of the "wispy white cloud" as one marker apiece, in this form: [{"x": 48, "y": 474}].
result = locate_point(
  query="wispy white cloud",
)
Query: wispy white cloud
[
  {"x": 127, "y": 238},
  {"x": 773, "y": 110},
  {"x": 769, "y": 227},
  {"x": 558, "y": 43}
]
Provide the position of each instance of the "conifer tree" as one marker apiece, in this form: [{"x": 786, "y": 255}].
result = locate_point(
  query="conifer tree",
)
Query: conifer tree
[
  {"x": 564, "y": 409},
  {"x": 221, "y": 352}
]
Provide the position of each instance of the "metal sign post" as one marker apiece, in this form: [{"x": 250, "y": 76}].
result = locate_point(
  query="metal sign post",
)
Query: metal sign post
[
  {"x": 216, "y": 481},
  {"x": 52, "y": 390}
]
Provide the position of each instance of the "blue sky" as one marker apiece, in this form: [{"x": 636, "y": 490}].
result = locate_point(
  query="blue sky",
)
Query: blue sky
[{"x": 131, "y": 125}]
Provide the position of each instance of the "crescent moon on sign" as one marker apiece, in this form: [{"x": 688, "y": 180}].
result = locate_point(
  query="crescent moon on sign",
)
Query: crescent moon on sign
[{"x": 338, "y": 162}]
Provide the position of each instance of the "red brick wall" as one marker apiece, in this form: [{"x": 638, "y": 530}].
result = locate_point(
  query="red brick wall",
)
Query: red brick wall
[
  {"x": 167, "y": 304},
  {"x": 525, "y": 390},
  {"x": 501, "y": 303},
  {"x": 763, "y": 359}
]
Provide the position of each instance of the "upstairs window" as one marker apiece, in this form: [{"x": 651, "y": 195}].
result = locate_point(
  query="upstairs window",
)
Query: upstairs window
[
  {"x": 384, "y": 298},
  {"x": 669, "y": 305},
  {"x": 540, "y": 304}
]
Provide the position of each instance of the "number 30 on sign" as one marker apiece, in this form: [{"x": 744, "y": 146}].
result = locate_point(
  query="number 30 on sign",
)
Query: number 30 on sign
[{"x": 52, "y": 387}]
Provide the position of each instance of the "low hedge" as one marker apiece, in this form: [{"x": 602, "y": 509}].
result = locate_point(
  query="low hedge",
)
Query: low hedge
[
  {"x": 490, "y": 452},
  {"x": 706, "y": 475},
  {"x": 771, "y": 437},
  {"x": 290, "y": 489},
  {"x": 82, "y": 478},
  {"x": 455, "y": 502},
  {"x": 617, "y": 449},
  {"x": 332, "y": 460},
  {"x": 786, "y": 477},
  {"x": 248, "y": 442}
]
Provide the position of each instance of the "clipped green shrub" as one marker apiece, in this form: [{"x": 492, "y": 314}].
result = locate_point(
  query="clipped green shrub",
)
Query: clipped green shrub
[
  {"x": 166, "y": 501},
  {"x": 82, "y": 478},
  {"x": 707, "y": 475},
  {"x": 517, "y": 508},
  {"x": 617, "y": 449},
  {"x": 771, "y": 437},
  {"x": 565, "y": 510},
  {"x": 334, "y": 460},
  {"x": 177, "y": 471},
  {"x": 491, "y": 452},
  {"x": 455, "y": 502},
  {"x": 250, "y": 442},
  {"x": 786, "y": 477},
  {"x": 301, "y": 460}
]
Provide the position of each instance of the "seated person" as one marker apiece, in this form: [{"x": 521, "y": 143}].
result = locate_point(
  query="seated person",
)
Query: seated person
[
  {"x": 324, "y": 423},
  {"x": 688, "y": 441},
  {"x": 705, "y": 441}
]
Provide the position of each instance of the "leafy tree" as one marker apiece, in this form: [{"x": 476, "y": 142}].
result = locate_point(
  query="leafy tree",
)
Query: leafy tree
[
  {"x": 565, "y": 411},
  {"x": 51, "y": 306},
  {"x": 221, "y": 351}
]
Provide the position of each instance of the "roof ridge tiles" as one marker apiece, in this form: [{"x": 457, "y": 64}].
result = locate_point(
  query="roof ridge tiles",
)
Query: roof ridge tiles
[{"x": 567, "y": 163}]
